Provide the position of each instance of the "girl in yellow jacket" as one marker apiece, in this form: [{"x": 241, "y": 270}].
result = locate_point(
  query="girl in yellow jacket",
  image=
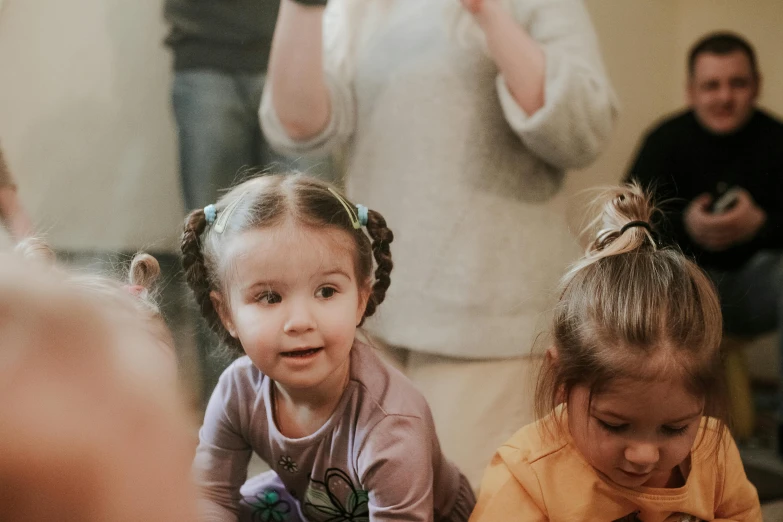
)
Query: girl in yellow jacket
[{"x": 631, "y": 403}]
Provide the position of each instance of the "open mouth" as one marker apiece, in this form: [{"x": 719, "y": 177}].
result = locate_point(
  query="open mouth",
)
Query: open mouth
[{"x": 302, "y": 353}]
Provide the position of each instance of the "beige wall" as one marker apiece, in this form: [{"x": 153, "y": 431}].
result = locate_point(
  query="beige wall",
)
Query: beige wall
[
  {"x": 639, "y": 62},
  {"x": 85, "y": 120}
]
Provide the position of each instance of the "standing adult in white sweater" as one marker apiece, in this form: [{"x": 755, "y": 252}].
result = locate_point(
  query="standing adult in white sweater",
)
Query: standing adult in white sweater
[{"x": 458, "y": 120}]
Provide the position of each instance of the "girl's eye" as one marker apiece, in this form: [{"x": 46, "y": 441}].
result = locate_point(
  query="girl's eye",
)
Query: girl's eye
[
  {"x": 739, "y": 83},
  {"x": 612, "y": 428},
  {"x": 269, "y": 298},
  {"x": 671, "y": 430},
  {"x": 326, "y": 292}
]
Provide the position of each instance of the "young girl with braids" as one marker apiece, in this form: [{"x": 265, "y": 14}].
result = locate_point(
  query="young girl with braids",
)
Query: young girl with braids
[
  {"x": 631, "y": 406},
  {"x": 282, "y": 269}
]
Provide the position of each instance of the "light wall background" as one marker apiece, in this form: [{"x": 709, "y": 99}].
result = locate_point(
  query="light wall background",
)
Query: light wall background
[
  {"x": 86, "y": 125},
  {"x": 85, "y": 121}
]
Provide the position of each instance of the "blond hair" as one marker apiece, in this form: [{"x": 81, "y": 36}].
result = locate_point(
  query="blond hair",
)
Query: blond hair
[{"x": 631, "y": 308}]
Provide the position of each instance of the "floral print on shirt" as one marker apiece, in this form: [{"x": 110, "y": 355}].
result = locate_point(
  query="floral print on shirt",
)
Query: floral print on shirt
[{"x": 335, "y": 499}]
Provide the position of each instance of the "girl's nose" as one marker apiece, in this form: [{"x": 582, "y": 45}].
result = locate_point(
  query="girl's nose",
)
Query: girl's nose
[
  {"x": 300, "y": 319},
  {"x": 642, "y": 455}
]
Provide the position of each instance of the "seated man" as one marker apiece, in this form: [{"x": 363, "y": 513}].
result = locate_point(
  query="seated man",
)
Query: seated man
[{"x": 717, "y": 172}]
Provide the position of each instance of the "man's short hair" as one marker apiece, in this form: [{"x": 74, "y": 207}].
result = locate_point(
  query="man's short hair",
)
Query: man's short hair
[{"x": 722, "y": 43}]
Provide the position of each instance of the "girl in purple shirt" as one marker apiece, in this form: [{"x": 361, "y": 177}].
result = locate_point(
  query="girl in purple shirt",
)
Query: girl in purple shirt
[{"x": 282, "y": 269}]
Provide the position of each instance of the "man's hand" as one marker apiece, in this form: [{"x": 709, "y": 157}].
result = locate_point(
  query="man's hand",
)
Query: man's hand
[{"x": 718, "y": 232}]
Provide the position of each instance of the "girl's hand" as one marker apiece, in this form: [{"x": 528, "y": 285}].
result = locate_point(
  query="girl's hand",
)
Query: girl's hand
[
  {"x": 489, "y": 14},
  {"x": 520, "y": 59}
]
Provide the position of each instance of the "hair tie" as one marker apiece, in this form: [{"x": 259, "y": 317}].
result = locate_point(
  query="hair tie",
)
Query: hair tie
[
  {"x": 134, "y": 290},
  {"x": 356, "y": 219},
  {"x": 362, "y": 212},
  {"x": 225, "y": 214},
  {"x": 210, "y": 213},
  {"x": 632, "y": 224}
]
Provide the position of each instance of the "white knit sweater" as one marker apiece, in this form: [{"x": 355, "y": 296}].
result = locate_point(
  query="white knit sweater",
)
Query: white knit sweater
[{"x": 469, "y": 183}]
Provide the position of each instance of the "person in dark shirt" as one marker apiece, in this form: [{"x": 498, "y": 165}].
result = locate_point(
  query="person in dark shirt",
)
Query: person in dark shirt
[
  {"x": 716, "y": 170},
  {"x": 221, "y": 50}
]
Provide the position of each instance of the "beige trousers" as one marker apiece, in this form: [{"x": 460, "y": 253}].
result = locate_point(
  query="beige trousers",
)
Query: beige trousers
[{"x": 477, "y": 404}]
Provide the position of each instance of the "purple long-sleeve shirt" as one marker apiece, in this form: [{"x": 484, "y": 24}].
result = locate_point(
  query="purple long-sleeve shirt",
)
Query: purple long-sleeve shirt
[{"x": 377, "y": 454}]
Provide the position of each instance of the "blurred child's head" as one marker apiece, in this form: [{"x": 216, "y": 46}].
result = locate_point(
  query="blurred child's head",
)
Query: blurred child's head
[
  {"x": 92, "y": 428},
  {"x": 282, "y": 269},
  {"x": 635, "y": 349},
  {"x": 138, "y": 290}
]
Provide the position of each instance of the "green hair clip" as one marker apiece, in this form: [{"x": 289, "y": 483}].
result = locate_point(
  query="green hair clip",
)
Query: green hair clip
[{"x": 352, "y": 212}]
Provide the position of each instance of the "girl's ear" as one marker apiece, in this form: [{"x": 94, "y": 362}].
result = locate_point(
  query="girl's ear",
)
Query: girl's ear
[
  {"x": 223, "y": 312},
  {"x": 365, "y": 291},
  {"x": 552, "y": 359},
  {"x": 552, "y": 355}
]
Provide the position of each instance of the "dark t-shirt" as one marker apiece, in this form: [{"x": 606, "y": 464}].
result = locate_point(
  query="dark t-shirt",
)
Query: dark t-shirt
[
  {"x": 680, "y": 160},
  {"x": 230, "y": 35}
]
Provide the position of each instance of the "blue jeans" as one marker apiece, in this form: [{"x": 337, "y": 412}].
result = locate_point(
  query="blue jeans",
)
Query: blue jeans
[
  {"x": 752, "y": 300},
  {"x": 219, "y": 133},
  {"x": 219, "y": 138}
]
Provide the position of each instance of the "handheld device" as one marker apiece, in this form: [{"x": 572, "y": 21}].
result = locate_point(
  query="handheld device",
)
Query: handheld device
[{"x": 724, "y": 201}]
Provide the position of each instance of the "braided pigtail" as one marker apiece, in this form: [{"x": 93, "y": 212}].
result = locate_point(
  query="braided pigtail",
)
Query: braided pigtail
[
  {"x": 381, "y": 237},
  {"x": 197, "y": 274}
]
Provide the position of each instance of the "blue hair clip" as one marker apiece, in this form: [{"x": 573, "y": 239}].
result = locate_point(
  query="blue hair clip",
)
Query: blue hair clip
[
  {"x": 210, "y": 213},
  {"x": 362, "y": 212}
]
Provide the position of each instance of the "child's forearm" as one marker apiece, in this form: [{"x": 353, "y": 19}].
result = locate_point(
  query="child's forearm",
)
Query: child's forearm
[
  {"x": 299, "y": 93},
  {"x": 519, "y": 57}
]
